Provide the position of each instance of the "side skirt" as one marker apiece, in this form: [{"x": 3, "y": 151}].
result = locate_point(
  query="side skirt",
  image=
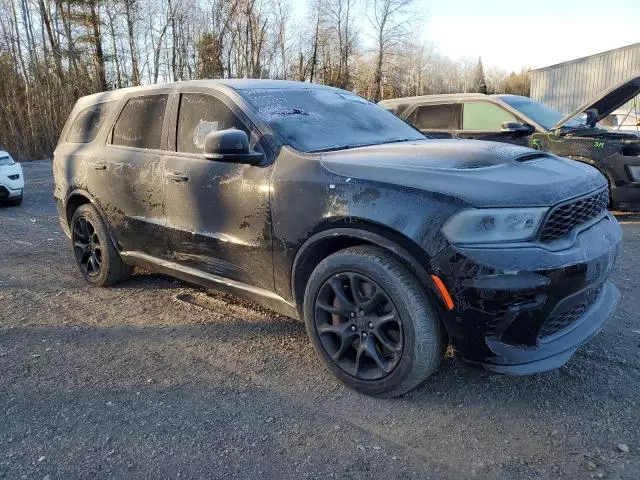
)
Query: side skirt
[{"x": 258, "y": 295}]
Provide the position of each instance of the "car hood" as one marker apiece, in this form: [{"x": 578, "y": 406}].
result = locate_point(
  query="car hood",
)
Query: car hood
[
  {"x": 607, "y": 101},
  {"x": 483, "y": 174}
]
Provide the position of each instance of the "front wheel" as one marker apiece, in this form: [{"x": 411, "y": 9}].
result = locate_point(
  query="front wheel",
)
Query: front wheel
[
  {"x": 16, "y": 201},
  {"x": 371, "y": 322},
  {"x": 97, "y": 257}
]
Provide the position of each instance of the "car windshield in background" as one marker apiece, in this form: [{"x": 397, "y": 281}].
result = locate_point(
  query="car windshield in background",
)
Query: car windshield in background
[
  {"x": 540, "y": 113},
  {"x": 322, "y": 119}
]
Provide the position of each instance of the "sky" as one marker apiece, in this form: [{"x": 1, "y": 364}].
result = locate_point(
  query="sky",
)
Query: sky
[{"x": 510, "y": 34}]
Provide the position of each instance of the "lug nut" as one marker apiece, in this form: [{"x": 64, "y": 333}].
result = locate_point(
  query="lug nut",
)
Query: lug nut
[
  {"x": 353, "y": 328},
  {"x": 370, "y": 325},
  {"x": 364, "y": 334},
  {"x": 353, "y": 314}
]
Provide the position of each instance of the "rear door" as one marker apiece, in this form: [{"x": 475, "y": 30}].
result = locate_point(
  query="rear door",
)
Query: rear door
[
  {"x": 127, "y": 176},
  {"x": 437, "y": 120},
  {"x": 218, "y": 213},
  {"x": 483, "y": 121}
]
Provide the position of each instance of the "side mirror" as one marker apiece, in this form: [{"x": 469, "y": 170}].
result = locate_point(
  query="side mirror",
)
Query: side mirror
[
  {"x": 230, "y": 146},
  {"x": 517, "y": 128}
]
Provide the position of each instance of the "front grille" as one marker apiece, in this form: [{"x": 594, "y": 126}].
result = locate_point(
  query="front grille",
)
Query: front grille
[
  {"x": 565, "y": 318},
  {"x": 565, "y": 217}
]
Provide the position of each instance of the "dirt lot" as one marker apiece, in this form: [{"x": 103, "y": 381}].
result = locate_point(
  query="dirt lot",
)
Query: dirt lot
[{"x": 155, "y": 379}]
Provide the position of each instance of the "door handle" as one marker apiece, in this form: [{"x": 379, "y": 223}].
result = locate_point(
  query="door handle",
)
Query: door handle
[
  {"x": 177, "y": 177},
  {"x": 99, "y": 166}
]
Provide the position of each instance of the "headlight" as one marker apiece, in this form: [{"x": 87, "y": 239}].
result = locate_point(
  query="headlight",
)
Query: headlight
[
  {"x": 493, "y": 225},
  {"x": 6, "y": 161}
]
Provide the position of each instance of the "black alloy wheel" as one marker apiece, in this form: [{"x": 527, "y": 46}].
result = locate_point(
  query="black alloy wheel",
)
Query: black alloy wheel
[
  {"x": 371, "y": 321},
  {"x": 359, "y": 326},
  {"x": 96, "y": 254},
  {"x": 86, "y": 245}
]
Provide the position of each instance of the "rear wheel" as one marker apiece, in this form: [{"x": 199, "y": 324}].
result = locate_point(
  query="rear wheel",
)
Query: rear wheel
[
  {"x": 371, "y": 322},
  {"x": 97, "y": 257}
]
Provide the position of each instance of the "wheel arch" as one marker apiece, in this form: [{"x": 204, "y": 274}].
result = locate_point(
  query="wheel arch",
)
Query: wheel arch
[
  {"x": 78, "y": 197},
  {"x": 333, "y": 238}
]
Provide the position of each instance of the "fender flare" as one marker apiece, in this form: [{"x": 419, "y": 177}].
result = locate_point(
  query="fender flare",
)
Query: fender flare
[
  {"x": 83, "y": 193},
  {"x": 378, "y": 239}
]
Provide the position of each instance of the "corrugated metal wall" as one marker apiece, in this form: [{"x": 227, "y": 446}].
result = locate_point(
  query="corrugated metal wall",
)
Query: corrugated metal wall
[{"x": 567, "y": 86}]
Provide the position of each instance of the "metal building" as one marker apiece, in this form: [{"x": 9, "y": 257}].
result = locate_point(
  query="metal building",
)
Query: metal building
[{"x": 566, "y": 86}]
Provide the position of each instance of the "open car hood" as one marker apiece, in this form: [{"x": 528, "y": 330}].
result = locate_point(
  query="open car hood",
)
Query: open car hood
[{"x": 607, "y": 101}]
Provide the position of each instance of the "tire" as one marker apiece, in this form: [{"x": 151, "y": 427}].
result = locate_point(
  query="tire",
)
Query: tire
[
  {"x": 89, "y": 236},
  {"x": 16, "y": 201},
  {"x": 419, "y": 333}
]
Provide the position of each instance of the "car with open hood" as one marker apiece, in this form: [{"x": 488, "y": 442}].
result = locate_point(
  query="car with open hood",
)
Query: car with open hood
[
  {"x": 624, "y": 119},
  {"x": 11, "y": 180},
  {"x": 523, "y": 121},
  {"x": 321, "y": 205}
]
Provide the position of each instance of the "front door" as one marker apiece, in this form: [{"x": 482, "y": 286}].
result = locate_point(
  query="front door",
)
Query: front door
[
  {"x": 218, "y": 213},
  {"x": 483, "y": 121},
  {"x": 126, "y": 175}
]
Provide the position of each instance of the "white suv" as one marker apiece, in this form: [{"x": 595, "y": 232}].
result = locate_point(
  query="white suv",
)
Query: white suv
[{"x": 11, "y": 180}]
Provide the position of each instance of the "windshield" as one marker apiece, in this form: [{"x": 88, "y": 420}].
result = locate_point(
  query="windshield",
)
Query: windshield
[
  {"x": 321, "y": 119},
  {"x": 540, "y": 113}
]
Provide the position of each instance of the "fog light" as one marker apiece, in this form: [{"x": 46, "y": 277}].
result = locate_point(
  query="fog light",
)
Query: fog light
[
  {"x": 634, "y": 170},
  {"x": 14, "y": 177}
]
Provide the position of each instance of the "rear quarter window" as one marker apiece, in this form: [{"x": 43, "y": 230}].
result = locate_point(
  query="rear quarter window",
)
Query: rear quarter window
[{"x": 87, "y": 123}]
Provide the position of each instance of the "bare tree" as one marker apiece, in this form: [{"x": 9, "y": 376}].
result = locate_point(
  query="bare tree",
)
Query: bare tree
[{"x": 390, "y": 21}]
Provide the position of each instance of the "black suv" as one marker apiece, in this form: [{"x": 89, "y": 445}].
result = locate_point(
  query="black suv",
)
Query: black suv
[
  {"x": 523, "y": 121},
  {"x": 325, "y": 207}
]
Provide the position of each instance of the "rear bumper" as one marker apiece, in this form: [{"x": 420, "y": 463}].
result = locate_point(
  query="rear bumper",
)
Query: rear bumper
[
  {"x": 62, "y": 217},
  {"x": 528, "y": 309}
]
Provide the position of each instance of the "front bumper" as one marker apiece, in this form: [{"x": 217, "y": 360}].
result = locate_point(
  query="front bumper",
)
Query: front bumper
[
  {"x": 528, "y": 309},
  {"x": 11, "y": 187},
  {"x": 6, "y": 192}
]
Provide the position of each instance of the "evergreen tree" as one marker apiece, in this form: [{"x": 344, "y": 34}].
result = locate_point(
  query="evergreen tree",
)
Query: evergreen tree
[{"x": 479, "y": 81}]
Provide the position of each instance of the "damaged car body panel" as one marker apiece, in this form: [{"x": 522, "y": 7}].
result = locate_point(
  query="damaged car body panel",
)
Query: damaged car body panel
[
  {"x": 253, "y": 187},
  {"x": 523, "y": 121}
]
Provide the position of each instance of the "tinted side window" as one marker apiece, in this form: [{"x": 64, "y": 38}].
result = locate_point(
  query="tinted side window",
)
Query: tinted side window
[
  {"x": 436, "y": 117},
  {"x": 199, "y": 115},
  {"x": 485, "y": 116},
  {"x": 86, "y": 125},
  {"x": 140, "y": 123}
]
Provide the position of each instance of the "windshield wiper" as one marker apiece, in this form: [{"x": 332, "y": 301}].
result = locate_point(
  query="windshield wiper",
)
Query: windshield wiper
[
  {"x": 347, "y": 147},
  {"x": 333, "y": 149},
  {"x": 397, "y": 140}
]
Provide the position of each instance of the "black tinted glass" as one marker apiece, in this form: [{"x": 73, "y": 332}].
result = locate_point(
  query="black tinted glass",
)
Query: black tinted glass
[
  {"x": 199, "y": 115},
  {"x": 88, "y": 122},
  {"x": 436, "y": 117},
  {"x": 140, "y": 123}
]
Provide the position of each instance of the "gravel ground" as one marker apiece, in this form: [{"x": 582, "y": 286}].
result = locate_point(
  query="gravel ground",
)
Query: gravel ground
[{"x": 156, "y": 379}]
